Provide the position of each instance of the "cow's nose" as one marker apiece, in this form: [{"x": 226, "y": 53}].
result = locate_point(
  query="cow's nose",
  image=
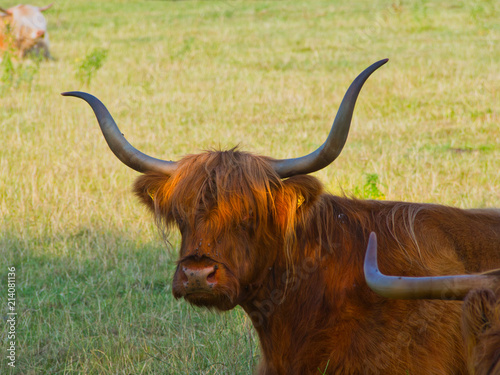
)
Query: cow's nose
[
  {"x": 199, "y": 279},
  {"x": 40, "y": 33}
]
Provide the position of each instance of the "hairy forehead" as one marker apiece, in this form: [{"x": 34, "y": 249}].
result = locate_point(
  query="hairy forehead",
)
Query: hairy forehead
[
  {"x": 226, "y": 171},
  {"x": 219, "y": 178},
  {"x": 28, "y": 15}
]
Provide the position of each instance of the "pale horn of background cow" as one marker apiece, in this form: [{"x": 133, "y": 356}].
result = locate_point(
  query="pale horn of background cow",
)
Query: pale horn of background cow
[
  {"x": 43, "y": 9},
  {"x": 453, "y": 287},
  {"x": 312, "y": 162}
]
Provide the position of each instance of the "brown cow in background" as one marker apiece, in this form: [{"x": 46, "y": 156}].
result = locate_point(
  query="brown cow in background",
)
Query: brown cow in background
[
  {"x": 481, "y": 309},
  {"x": 261, "y": 233},
  {"x": 23, "y": 29}
]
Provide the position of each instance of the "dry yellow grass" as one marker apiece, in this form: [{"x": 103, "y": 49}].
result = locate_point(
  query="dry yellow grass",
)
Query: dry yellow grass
[{"x": 181, "y": 77}]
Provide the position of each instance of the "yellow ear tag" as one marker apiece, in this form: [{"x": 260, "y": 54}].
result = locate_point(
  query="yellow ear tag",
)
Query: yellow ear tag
[
  {"x": 152, "y": 193},
  {"x": 300, "y": 200}
]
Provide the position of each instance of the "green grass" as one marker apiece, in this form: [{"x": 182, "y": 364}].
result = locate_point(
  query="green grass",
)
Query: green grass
[{"x": 93, "y": 276}]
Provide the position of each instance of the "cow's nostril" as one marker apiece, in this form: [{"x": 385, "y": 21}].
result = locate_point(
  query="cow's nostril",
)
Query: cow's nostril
[{"x": 211, "y": 277}]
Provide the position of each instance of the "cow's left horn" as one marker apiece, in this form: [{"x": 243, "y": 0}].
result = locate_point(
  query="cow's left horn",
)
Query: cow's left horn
[
  {"x": 117, "y": 142},
  {"x": 453, "y": 287},
  {"x": 333, "y": 145}
]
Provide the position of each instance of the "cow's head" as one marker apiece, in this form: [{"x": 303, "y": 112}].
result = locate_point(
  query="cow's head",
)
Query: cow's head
[
  {"x": 27, "y": 25},
  {"x": 235, "y": 210}
]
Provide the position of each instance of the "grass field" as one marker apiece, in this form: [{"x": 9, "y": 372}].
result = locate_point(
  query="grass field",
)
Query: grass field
[{"x": 92, "y": 273}]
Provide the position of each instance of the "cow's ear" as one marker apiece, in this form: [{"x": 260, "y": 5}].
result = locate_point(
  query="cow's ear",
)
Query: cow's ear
[
  {"x": 306, "y": 189},
  {"x": 147, "y": 185},
  {"x": 478, "y": 312},
  {"x": 295, "y": 199}
]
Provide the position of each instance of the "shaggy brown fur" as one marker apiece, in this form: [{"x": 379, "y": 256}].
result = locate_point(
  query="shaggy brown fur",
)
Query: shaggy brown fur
[
  {"x": 481, "y": 330},
  {"x": 292, "y": 257}
]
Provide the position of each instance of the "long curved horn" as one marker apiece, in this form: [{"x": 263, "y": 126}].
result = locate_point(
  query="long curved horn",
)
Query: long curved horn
[
  {"x": 333, "y": 145},
  {"x": 453, "y": 287},
  {"x": 6, "y": 11},
  {"x": 123, "y": 150}
]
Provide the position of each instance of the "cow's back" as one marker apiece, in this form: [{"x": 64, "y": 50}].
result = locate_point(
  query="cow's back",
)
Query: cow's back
[{"x": 337, "y": 324}]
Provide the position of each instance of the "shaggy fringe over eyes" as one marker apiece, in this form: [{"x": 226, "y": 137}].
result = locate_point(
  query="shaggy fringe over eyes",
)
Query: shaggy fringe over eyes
[{"x": 221, "y": 189}]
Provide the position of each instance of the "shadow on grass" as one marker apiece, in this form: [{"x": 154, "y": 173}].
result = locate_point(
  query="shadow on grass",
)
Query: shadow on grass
[{"x": 100, "y": 302}]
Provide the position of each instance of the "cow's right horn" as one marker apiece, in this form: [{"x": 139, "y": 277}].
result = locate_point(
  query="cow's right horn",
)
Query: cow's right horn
[
  {"x": 123, "y": 150},
  {"x": 454, "y": 287}
]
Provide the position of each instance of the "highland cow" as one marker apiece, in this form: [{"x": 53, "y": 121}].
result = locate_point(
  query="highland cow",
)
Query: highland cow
[
  {"x": 261, "y": 233},
  {"x": 23, "y": 29}
]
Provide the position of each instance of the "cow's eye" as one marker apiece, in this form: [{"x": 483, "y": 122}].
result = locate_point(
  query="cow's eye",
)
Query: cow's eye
[
  {"x": 179, "y": 221},
  {"x": 248, "y": 223}
]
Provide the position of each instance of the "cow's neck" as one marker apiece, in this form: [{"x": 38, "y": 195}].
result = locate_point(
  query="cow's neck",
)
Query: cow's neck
[
  {"x": 308, "y": 292},
  {"x": 291, "y": 308}
]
